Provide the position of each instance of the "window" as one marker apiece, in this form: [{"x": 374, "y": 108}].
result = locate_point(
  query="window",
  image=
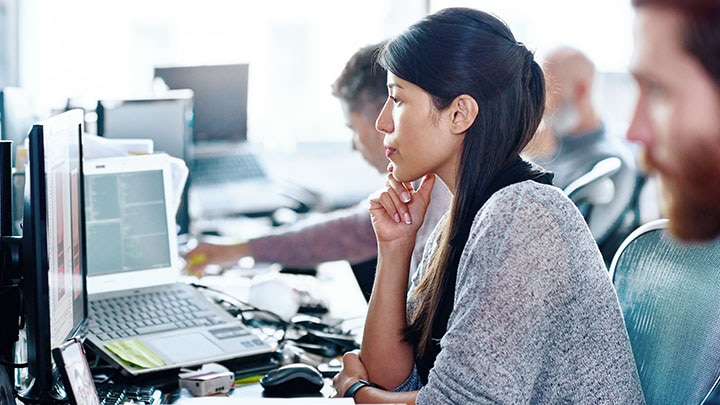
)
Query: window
[{"x": 89, "y": 49}]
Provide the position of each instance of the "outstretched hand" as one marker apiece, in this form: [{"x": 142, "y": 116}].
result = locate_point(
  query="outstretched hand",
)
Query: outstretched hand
[
  {"x": 205, "y": 254},
  {"x": 398, "y": 211}
]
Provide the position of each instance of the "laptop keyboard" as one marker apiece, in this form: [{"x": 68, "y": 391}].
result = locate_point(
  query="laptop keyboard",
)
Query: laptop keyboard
[
  {"x": 111, "y": 394},
  {"x": 224, "y": 169},
  {"x": 149, "y": 312}
]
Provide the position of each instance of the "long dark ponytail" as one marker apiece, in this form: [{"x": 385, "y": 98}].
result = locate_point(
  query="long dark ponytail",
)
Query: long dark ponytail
[{"x": 465, "y": 51}]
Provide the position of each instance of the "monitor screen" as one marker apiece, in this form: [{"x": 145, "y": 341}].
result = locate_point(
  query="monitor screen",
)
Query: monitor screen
[
  {"x": 221, "y": 94},
  {"x": 127, "y": 223},
  {"x": 53, "y": 245},
  {"x": 166, "y": 120}
]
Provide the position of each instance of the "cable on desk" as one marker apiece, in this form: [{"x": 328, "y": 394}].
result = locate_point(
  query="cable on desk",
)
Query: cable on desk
[{"x": 319, "y": 338}]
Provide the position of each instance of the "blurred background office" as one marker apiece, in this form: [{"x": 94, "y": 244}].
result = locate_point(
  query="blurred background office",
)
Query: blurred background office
[
  {"x": 88, "y": 49},
  {"x": 81, "y": 51}
]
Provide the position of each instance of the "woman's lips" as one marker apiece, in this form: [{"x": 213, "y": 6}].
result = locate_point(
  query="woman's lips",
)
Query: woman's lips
[{"x": 389, "y": 151}]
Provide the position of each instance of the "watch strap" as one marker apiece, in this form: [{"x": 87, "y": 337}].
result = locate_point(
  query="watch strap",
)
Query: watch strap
[{"x": 355, "y": 387}]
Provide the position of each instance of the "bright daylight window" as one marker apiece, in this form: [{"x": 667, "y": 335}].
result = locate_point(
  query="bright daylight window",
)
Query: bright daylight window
[
  {"x": 89, "y": 49},
  {"x": 600, "y": 28}
]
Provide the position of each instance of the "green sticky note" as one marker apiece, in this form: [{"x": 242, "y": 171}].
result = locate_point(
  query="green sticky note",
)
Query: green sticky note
[{"x": 135, "y": 353}]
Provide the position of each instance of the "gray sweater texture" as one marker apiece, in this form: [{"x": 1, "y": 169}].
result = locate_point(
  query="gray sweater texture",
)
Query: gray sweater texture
[{"x": 535, "y": 317}]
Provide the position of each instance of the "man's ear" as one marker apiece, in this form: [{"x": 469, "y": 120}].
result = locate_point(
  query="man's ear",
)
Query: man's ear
[{"x": 464, "y": 111}]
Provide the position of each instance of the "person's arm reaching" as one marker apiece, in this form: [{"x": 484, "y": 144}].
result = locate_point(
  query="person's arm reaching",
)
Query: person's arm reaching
[{"x": 341, "y": 235}]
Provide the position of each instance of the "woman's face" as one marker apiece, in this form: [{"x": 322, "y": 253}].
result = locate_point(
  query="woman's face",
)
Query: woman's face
[{"x": 418, "y": 139}]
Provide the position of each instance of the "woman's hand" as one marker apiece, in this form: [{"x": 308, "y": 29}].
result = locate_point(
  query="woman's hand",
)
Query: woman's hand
[
  {"x": 205, "y": 253},
  {"x": 398, "y": 211},
  {"x": 352, "y": 371}
]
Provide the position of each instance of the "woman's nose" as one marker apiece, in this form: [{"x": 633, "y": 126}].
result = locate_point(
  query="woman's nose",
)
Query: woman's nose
[{"x": 384, "y": 120}]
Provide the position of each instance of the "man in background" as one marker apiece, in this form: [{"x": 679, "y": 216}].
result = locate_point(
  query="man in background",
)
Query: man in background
[
  {"x": 676, "y": 64},
  {"x": 345, "y": 234},
  {"x": 576, "y": 138}
]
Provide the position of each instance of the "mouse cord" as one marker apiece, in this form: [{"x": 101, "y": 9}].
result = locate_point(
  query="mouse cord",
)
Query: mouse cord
[
  {"x": 235, "y": 309},
  {"x": 279, "y": 322}
]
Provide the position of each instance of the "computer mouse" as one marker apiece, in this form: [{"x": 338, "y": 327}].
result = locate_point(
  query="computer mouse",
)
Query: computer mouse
[{"x": 292, "y": 379}]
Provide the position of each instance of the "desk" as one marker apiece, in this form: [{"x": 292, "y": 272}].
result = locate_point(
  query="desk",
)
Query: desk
[
  {"x": 336, "y": 280},
  {"x": 346, "y": 303}
]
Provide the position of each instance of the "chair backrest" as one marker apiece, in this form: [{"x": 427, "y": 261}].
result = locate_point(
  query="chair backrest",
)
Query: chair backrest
[
  {"x": 596, "y": 190},
  {"x": 669, "y": 293},
  {"x": 595, "y": 186}
]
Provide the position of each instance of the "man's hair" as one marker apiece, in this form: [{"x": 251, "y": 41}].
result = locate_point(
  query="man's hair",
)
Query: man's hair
[
  {"x": 700, "y": 32},
  {"x": 363, "y": 82}
]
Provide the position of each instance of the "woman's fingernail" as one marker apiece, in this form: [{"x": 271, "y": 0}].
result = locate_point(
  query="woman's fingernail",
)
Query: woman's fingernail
[
  {"x": 405, "y": 197},
  {"x": 407, "y": 218},
  {"x": 397, "y": 217}
]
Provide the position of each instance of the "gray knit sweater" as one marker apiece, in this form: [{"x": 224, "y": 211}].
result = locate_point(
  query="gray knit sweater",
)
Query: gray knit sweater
[{"x": 536, "y": 318}]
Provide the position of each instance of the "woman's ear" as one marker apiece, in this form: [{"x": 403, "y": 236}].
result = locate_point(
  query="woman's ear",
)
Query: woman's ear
[{"x": 464, "y": 111}]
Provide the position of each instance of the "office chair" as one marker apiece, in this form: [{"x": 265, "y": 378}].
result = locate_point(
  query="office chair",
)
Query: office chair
[
  {"x": 669, "y": 295},
  {"x": 597, "y": 194},
  {"x": 595, "y": 186}
]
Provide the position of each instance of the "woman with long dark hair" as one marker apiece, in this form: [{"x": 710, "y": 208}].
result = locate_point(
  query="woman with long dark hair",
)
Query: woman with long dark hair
[{"x": 512, "y": 302}]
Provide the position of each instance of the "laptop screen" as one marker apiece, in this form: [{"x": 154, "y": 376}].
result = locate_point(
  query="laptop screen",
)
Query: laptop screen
[
  {"x": 129, "y": 221},
  {"x": 220, "y": 98}
]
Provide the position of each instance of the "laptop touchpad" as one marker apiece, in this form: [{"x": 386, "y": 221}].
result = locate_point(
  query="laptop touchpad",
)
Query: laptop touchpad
[{"x": 174, "y": 349}]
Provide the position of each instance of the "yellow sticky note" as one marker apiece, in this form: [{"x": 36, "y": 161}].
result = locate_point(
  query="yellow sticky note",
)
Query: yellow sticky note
[{"x": 135, "y": 353}]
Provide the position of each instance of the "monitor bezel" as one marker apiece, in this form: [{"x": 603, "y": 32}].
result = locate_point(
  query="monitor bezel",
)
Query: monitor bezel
[{"x": 44, "y": 384}]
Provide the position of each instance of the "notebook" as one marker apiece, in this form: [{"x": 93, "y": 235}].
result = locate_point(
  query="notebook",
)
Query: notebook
[
  {"x": 132, "y": 260},
  {"x": 227, "y": 176}
]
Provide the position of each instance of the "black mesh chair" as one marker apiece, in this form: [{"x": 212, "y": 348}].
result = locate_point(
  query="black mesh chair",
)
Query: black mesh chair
[{"x": 670, "y": 297}]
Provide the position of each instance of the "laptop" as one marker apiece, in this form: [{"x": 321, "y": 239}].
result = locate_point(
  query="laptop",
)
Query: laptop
[
  {"x": 133, "y": 270},
  {"x": 227, "y": 175},
  {"x": 165, "y": 120}
]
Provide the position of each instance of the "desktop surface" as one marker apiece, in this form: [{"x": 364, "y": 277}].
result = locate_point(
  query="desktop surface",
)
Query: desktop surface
[{"x": 346, "y": 305}]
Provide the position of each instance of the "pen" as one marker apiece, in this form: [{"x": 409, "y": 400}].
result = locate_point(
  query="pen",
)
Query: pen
[{"x": 248, "y": 380}]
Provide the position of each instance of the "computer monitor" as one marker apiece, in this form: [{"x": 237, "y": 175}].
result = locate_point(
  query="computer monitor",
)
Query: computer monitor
[
  {"x": 167, "y": 120},
  {"x": 52, "y": 248},
  {"x": 221, "y": 94}
]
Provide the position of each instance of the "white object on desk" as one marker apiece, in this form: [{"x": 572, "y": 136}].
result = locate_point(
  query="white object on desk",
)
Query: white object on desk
[{"x": 271, "y": 293}]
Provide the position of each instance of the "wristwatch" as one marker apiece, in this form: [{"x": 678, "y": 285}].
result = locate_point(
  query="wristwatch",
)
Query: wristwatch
[{"x": 355, "y": 387}]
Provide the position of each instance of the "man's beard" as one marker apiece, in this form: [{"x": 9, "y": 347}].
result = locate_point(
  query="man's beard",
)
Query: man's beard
[
  {"x": 691, "y": 220},
  {"x": 690, "y": 204}
]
